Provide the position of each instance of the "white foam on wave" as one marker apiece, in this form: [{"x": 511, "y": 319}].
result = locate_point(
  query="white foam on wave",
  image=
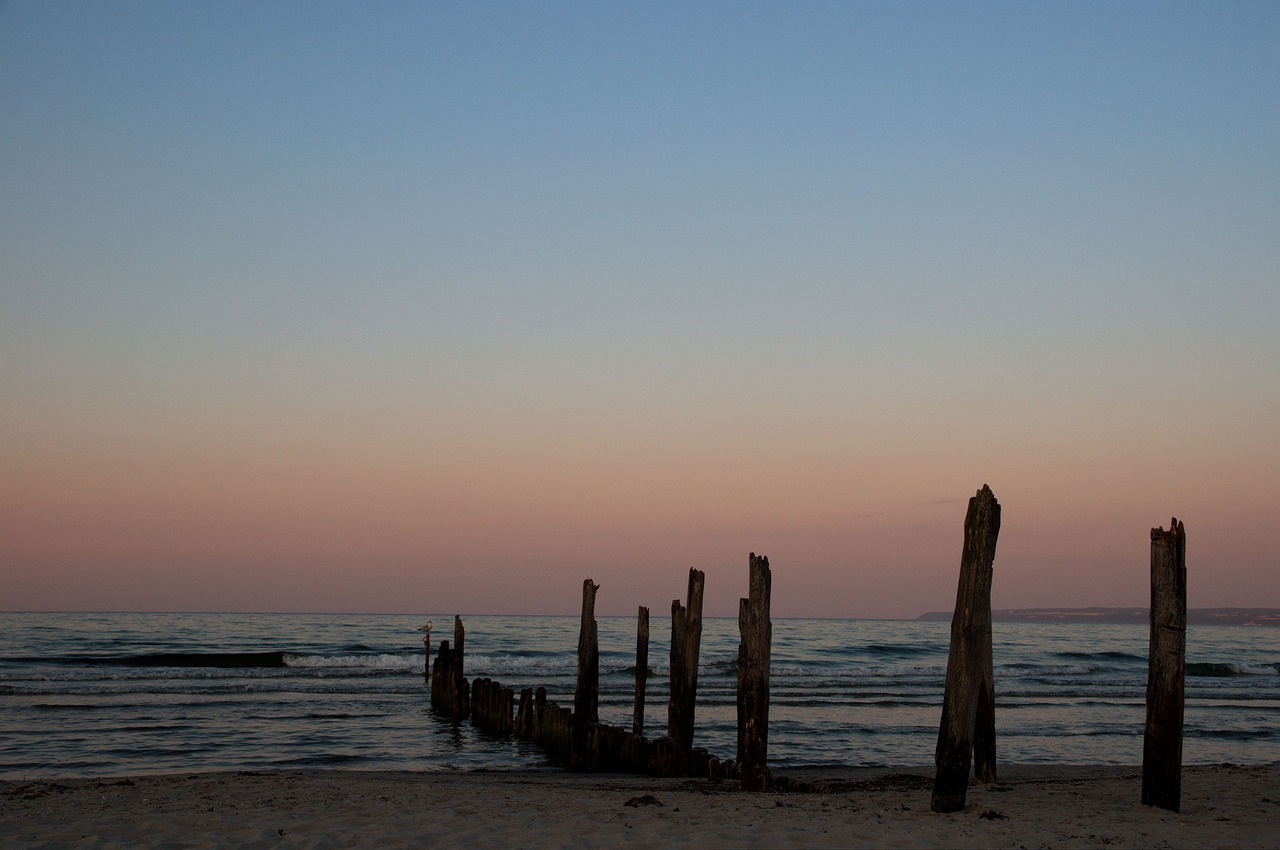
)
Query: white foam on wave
[{"x": 384, "y": 661}]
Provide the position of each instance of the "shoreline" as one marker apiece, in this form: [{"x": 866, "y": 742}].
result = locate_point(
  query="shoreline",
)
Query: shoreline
[{"x": 1223, "y": 806}]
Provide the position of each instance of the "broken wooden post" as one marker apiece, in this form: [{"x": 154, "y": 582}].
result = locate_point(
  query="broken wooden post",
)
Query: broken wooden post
[
  {"x": 586, "y": 693},
  {"x": 642, "y": 669},
  {"x": 969, "y": 661},
  {"x": 754, "y": 652},
  {"x": 686, "y": 641},
  {"x": 1166, "y": 669}
]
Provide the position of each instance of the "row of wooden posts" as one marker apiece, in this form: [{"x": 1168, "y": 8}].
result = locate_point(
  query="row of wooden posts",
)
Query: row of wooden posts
[
  {"x": 966, "y": 731},
  {"x": 579, "y": 738}
]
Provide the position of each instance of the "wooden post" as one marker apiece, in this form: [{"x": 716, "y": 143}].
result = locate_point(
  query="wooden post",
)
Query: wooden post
[
  {"x": 524, "y": 715},
  {"x": 692, "y": 647},
  {"x": 460, "y": 692},
  {"x": 984, "y": 719},
  {"x": 754, "y": 653},
  {"x": 441, "y": 679},
  {"x": 1166, "y": 669},
  {"x": 539, "y": 711},
  {"x": 586, "y": 693},
  {"x": 642, "y": 669},
  {"x": 676, "y": 698},
  {"x": 686, "y": 641},
  {"x": 449, "y": 690},
  {"x": 426, "y": 650},
  {"x": 507, "y": 710},
  {"x": 969, "y": 661}
]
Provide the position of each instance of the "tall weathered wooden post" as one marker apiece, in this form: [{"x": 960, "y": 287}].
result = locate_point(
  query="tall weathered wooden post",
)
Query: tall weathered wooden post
[
  {"x": 969, "y": 676},
  {"x": 686, "y": 641},
  {"x": 754, "y": 653},
  {"x": 586, "y": 695},
  {"x": 1166, "y": 669},
  {"x": 642, "y": 669}
]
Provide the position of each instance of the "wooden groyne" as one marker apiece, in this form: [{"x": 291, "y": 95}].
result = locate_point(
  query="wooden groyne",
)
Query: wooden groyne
[{"x": 574, "y": 735}]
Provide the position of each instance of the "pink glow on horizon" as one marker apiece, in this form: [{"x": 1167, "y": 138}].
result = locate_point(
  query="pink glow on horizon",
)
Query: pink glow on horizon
[{"x": 276, "y": 532}]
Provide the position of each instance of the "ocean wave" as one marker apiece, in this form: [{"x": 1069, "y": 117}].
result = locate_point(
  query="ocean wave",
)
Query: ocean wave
[
  {"x": 160, "y": 659},
  {"x": 1108, "y": 655},
  {"x": 1219, "y": 670},
  {"x": 898, "y": 650},
  {"x": 523, "y": 664},
  {"x": 1034, "y": 671},
  {"x": 1260, "y": 733},
  {"x": 381, "y": 661},
  {"x": 870, "y": 672}
]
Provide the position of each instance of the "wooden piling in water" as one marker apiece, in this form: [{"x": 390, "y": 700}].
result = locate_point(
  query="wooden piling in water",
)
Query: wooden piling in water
[
  {"x": 642, "y": 669},
  {"x": 969, "y": 662},
  {"x": 555, "y": 729},
  {"x": 462, "y": 696},
  {"x": 426, "y": 651},
  {"x": 481, "y": 690},
  {"x": 449, "y": 690},
  {"x": 439, "y": 679},
  {"x": 1166, "y": 669},
  {"x": 754, "y": 651},
  {"x": 524, "y": 715},
  {"x": 539, "y": 709},
  {"x": 444, "y": 691},
  {"x": 492, "y": 706},
  {"x": 686, "y": 642},
  {"x": 586, "y": 694}
]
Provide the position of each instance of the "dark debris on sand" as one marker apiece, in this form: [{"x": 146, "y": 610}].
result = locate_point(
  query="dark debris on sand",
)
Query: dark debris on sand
[{"x": 646, "y": 800}]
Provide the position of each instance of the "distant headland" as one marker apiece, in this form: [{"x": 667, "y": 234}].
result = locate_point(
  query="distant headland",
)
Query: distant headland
[{"x": 1195, "y": 616}]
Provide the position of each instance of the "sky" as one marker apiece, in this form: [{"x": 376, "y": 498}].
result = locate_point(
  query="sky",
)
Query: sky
[{"x": 445, "y": 307}]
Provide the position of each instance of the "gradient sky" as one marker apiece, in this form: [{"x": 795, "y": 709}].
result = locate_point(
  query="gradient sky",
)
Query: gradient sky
[{"x": 444, "y": 307}]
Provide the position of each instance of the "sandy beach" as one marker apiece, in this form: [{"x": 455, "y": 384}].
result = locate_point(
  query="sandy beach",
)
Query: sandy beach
[{"x": 1223, "y": 806}]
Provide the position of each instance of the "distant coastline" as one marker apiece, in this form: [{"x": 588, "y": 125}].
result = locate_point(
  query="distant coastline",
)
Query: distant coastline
[{"x": 1195, "y": 616}]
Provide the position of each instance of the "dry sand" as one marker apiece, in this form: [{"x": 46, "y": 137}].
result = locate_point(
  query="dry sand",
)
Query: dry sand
[{"x": 1222, "y": 806}]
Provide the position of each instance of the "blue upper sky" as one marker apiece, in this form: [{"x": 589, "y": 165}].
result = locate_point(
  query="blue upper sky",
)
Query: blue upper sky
[{"x": 869, "y": 222}]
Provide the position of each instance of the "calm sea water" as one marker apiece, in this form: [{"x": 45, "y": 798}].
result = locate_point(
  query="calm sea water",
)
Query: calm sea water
[{"x": 110, "y": 694}]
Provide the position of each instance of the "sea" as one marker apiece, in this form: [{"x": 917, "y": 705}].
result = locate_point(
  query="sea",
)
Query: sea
[{"x": 123, "y": 694}]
